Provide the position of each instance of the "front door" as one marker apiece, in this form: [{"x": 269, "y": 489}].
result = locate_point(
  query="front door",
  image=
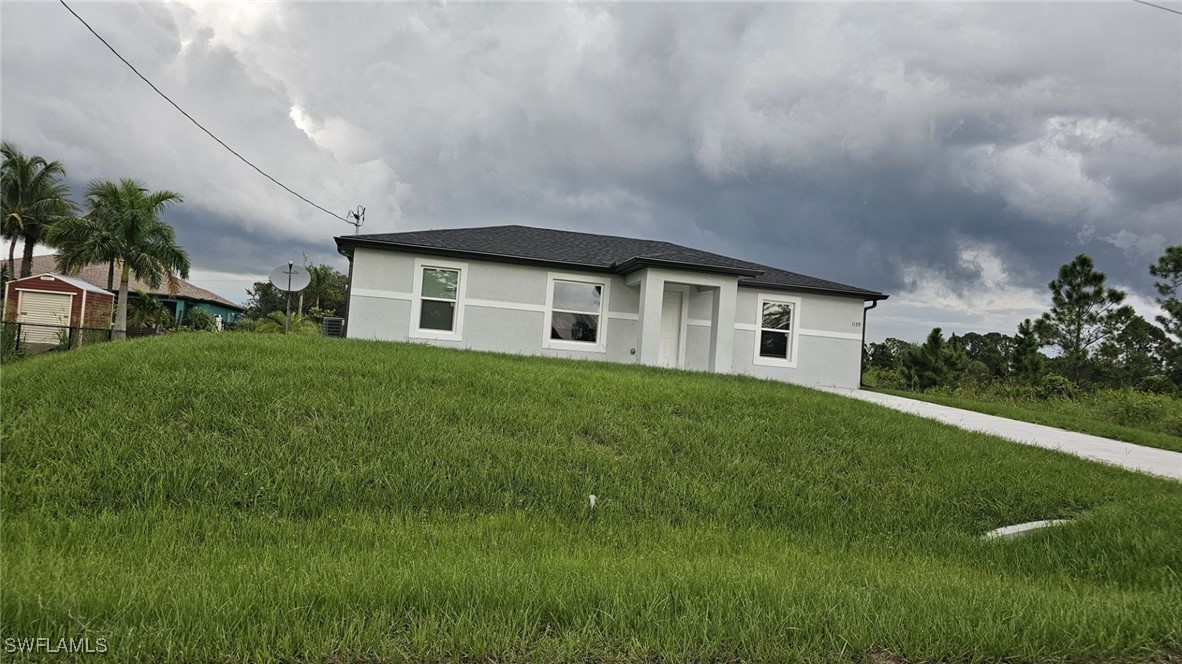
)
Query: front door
[{"x": 671, "y": 328}]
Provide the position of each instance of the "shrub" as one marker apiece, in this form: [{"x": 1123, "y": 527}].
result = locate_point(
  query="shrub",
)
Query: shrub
[
  {"x": 1131, "y": 408},
  {"x": 1159, "y": 385},
  {"x": 63, "y": 339},
  {"x": 1172, "y": 423},
  {"x": 977, "y": 374},
  {"x": 1055, "y": 386},
  {"x": 890, "y": 379},
  {"x": 199, "y": 320},
  {"x": 243, "y": 324},
  {"x": 90, "y": 337},
  {"x": 10, "y": 345},
  {"x": 273, "y": 322},
  {"x": 148, "y": 313},
  {"x": 1015, "y": 391},
  {"x": 316, "y": 314}
]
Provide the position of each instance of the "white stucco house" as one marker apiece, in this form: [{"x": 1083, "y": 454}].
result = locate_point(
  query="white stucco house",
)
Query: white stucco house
[{"x": 535, "y": 291}]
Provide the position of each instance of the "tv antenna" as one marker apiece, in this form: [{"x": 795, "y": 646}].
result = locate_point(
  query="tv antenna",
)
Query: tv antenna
[{"x": 356, "y": 217}]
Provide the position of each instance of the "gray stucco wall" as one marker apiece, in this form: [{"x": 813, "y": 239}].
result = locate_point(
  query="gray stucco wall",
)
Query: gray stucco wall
[
  {"x": 827, "y": 339},
  {"x": 504, "y": 310}
]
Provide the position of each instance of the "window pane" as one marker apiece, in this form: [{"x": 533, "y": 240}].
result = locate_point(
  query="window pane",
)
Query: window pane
[
  {"x": 440, "y": 283},
  {"x": 573, "y": 296},
  {"x": 777, "y": 315},
  {"x": 773, "y": 344},
  {"x": 436, "y": 315},
  {"x": 574, "y": 327}
]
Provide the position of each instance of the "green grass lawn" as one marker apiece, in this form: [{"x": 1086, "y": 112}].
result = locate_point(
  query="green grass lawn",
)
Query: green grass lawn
[
  {"x": 1118, "y": 414},
  {"x": 208, "y": 497}
]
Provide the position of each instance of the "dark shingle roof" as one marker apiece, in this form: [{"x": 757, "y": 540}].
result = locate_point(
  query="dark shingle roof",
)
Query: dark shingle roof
[{"x": 600, "y": 253}]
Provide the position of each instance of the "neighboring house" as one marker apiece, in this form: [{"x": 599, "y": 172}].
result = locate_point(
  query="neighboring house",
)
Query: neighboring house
[
  {"x": 187, "y": 295},
  {"x": 535, "y": 291},
  {"x": 43, "y": 304}
]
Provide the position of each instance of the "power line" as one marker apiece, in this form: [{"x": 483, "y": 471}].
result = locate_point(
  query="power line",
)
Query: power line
[
  {"x": 194, "y": 121},
  {"x": 1159, "y": 7}
]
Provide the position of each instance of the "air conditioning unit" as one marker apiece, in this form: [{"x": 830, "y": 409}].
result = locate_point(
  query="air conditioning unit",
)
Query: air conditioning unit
[{"x": 333, "y": 326}]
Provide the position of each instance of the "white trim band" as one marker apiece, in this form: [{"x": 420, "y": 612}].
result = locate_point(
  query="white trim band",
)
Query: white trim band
[
  {"x": 515, "y": 306},
  {"x": 382, "y": 294},
  {"x": 832, "y": 335}
]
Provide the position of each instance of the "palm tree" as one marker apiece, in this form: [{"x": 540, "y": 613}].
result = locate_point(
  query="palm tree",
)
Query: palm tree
[
  {"x": 31, "y": 200},
  {"x": 83, "y": 243},
  {"x": 321, "y": 280},
  {"x": 123, "y": 225},
  {"x": 273, "y": 323},
  {"x": 147, "y": 311}
]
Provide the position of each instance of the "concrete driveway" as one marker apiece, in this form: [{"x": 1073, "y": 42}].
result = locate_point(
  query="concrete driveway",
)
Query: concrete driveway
[{"x": 1126, "y": 455}]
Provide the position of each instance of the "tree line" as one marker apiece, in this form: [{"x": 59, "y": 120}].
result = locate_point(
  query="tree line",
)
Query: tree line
[
  {"x": 266, "y": 305},
  {"x": 120, "y": 226},
  {"x": 1099, "y": 341}
]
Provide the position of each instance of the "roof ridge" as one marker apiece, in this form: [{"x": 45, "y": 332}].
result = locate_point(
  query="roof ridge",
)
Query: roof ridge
[
  {"x": 522, "y": 226},
  {"x": 517, "y": 243},
  {"x": 95, "y": 274}
]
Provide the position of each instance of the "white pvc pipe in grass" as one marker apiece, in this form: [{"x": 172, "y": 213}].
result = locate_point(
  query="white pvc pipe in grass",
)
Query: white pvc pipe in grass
[{"x": 1021, "y": 528}]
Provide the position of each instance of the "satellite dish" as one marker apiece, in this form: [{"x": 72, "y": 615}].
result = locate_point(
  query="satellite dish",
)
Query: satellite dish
[{"x": 290, "y": 277}]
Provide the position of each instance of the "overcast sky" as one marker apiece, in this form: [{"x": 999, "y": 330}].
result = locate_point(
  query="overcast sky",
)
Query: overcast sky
[{"x": 952, "y": 155}]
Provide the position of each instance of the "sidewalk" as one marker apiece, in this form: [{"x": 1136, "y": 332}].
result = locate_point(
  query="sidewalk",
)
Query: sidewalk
[{"x": 1126, "y": 455}]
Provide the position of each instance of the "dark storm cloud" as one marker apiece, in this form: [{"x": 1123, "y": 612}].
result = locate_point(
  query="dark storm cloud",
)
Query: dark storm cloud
[{"x": 974, "y": 147}]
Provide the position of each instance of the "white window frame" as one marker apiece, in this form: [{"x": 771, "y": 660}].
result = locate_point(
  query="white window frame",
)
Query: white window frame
[
  {"x": 600, "y": 343},
  {"x": 793, "y": 332},
  {"x": 416, "y": 303}
]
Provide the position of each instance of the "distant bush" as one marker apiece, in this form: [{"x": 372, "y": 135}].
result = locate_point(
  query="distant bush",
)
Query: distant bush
[
  {"x": 1014, "y": 391},
  {"x": 890, "y": 379},
  {"x": 1172, "y": 423},
  {"x": 1131, "y": 408},
  {"x": 977, "y": 373},
  {"x": 273, "y": 323},
  {"x": 243, "y": 324},
  {"x": 1054, "y": 386},
  {"x": 1159, "y": 385},
  {"x": 316, "y": 314},
  {"x": 199, "y": 320}
]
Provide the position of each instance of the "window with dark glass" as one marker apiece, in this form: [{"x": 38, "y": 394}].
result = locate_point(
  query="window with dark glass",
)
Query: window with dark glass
[
  {"x": 438, "y": 294},
  {"x": 575, "y": 310},
  {"x": 775, "y": 328}
]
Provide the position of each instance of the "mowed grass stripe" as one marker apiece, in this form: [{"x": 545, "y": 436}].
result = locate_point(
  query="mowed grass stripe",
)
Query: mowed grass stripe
[
  {"x": 496, "y": 586},
  {"x": 203, "y": 493}
]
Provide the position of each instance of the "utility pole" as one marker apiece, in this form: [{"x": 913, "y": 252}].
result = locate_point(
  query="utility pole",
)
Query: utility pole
[
  {"x": 287, "y": 320},
  {"x": 300, "y": 307}
]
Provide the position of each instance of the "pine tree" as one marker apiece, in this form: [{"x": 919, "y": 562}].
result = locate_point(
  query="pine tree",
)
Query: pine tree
[
  {"x": 934, "y": 363},
  {"x": 1083, "y": 314},
  {"x": 1168, "y": 270},
  {"x": 1027, "y": 362}
]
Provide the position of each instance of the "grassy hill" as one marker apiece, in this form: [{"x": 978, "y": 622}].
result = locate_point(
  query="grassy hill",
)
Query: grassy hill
[{"x": 214, "y": 497}]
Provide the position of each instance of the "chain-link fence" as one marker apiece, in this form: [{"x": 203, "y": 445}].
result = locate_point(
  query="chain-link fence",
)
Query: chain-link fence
[{"x": 18, "y": 339}]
